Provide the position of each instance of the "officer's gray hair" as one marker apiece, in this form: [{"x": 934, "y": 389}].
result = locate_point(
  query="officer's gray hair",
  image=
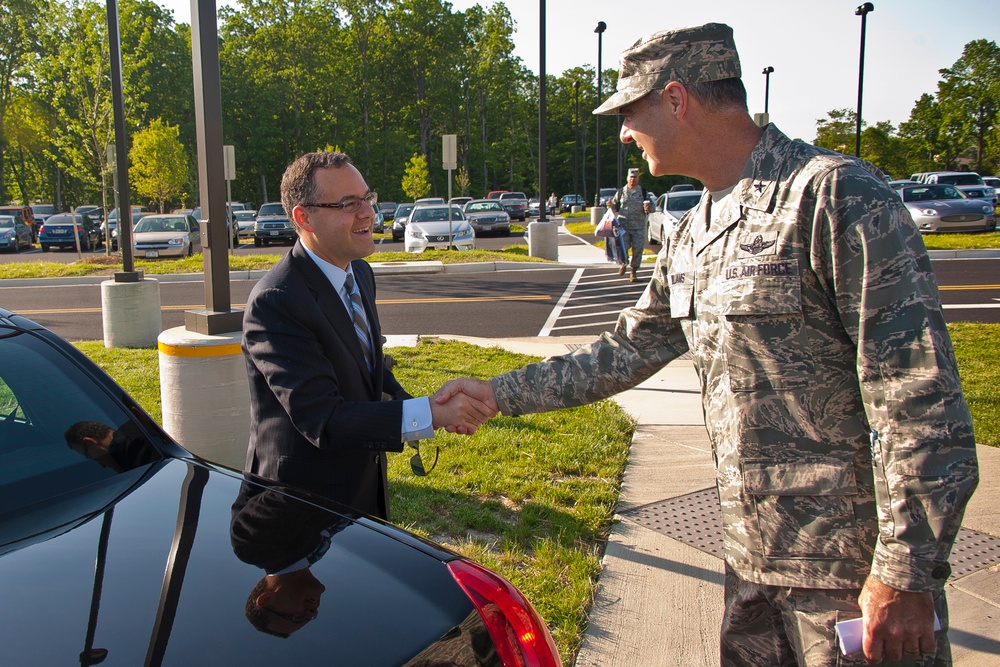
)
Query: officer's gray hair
[{"x": 721, "y": 95}]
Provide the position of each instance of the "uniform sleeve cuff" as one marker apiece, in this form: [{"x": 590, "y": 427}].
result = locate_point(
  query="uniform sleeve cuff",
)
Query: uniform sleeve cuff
[{"x": 906, "y": 573}]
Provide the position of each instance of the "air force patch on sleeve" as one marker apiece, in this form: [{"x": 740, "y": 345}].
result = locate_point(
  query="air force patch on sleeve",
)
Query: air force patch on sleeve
[{"x": 757, "y": 244}]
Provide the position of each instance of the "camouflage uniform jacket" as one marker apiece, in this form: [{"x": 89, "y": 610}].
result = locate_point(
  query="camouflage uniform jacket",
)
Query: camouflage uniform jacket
[{"x": 842, "y": 441}]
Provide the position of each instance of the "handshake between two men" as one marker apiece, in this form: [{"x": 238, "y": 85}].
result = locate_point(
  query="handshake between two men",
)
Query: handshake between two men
[{"x": 463, "y": 405}]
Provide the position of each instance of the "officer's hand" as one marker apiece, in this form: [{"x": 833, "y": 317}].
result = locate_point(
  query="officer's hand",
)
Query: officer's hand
[{"x": 898, "y": 624}]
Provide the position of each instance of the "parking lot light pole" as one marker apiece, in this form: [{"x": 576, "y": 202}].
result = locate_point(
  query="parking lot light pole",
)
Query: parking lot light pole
[
  {"x": 861, "y": 11},
  {"x": 767, "y": 85},
  {"x": 601, "y": 27}
]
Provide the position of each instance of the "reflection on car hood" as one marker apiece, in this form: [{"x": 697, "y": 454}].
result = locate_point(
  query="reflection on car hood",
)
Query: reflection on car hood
[
  {"x": 155, "y": 237},
  {"x": 172, "y": 577}
]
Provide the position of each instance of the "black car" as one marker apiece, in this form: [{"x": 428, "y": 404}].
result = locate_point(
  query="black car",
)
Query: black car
[
  {"x": 118, "y": 546},
  {"x": 273, "y": 225}
]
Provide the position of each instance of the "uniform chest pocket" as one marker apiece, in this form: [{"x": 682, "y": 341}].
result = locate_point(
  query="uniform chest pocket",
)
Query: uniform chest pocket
[
  {"x": 681, "y": 294},
  {"x": 765, "y": 342}
]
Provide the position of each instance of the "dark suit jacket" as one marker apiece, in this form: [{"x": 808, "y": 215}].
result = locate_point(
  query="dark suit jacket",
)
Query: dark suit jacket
[{"x": 317, "y": 420}]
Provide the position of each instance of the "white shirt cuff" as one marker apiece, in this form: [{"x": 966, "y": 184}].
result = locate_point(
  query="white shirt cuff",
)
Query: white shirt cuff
[{"x": 418, "y": 424}]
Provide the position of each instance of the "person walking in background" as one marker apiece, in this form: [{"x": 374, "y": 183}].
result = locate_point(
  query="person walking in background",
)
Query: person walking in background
[
  {"x": 631, "y": 205},
  {"x": 843, "y": 444},
  {"x": 313, "y": 349}
]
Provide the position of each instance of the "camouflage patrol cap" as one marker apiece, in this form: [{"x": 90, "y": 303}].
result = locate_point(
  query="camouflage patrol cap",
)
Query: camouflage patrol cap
[{"x": 689, "y": 55}]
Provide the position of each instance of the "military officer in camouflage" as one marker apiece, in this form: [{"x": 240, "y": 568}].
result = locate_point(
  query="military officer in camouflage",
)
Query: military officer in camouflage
[{"x": 801, "y": 287}]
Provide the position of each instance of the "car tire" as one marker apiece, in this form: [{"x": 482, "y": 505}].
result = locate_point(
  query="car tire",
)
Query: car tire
[
  {"x": 257, "y": 243},
  {"x": 190, "y": 250},
  {"x": 45, "y": 247}
]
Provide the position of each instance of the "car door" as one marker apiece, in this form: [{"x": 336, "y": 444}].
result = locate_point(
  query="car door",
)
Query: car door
[{"x": 194, "y": 231}]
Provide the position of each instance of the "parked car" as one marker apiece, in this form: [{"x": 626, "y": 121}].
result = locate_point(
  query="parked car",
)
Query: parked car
[
  {"x": 460, "y": 201},
  {"x": 969, "y": 182},
  {"x": 14, "y": 234},
  {"x": 399, "y": 221},
  {"x": 159, "y": 236},
  {"x": 62, "y": 230},
  {"x": 534, "y": 207},
  {"x": 24, "y": 214},
  {"x": 516, "y": 204},
  {"x": 606, "y": 195},
  {"x": 944, "y": 208},
  {"x": 567, "y": 202},
  {"x": 667, "y": 212},
  {"x": 147, "y": 554},
  {"x": 429, "y": 227},
  {"x": 378, "y": 223},
  {"x": 273, "y": 225},
  {"x": 494, "y": 194},
  {"x": 234, "y": 227},
  {"x": 681, "y": 187},
  {"x": 92, "y": 211},
  {"x": 388, "y": 209},
  {"x": 430, "y": 200},
  {"x": 41, "y": 213},
  {"x": 487, "y": 215},
  {"x": 245, "y": 220},
  {"x": 109, "y": 228}
]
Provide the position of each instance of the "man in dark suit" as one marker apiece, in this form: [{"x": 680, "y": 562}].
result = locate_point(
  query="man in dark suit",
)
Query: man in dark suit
[{"x": 312, "y": 343}]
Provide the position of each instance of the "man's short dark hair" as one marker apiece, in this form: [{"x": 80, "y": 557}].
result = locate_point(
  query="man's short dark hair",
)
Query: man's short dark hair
[
  {"x": 86, "y": 429},
  {"x": 259, "y": 617},
  {"x": 298, "y": 185},
  {"x": 721, "y": 95}
]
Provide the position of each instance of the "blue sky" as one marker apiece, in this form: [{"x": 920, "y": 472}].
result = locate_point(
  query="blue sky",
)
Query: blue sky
[{"x": 813, "y": 45}]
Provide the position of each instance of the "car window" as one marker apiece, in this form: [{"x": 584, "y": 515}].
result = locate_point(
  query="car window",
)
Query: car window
[
  {"x": 271, "y": 209},
  {"x": 6, "y": 222},
  {"x": 46, "y": 402},
  {"x": 960, "y": 179},
  {"x": 683, "y": 203},
  {"x": 484, "y": 206}
]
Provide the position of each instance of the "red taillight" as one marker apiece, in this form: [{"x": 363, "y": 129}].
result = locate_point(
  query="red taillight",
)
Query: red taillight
[{"x": 520, "y": 635}]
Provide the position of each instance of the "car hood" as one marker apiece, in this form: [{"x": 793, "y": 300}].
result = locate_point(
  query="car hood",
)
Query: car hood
[
  {"x": 486, "y": 214},
  {"x": 179, "y": 545},
  {"x": 948, "y": 206},
  {"x": 437, "y": 227},
  {"x": 155, "y": 237}
]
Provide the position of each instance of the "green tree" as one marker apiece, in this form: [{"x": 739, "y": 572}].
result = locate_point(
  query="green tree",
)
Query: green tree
[
  {"x": 158, "y": 164},
  {"x": 415, "y": 180},
  {"x": 18, "y": 41},
  {"x": 838, "y": 131},
  {"x": 969, "y": 95},
  {"x": 921, "y": 135},
  {"x": 462, "y": 181}
]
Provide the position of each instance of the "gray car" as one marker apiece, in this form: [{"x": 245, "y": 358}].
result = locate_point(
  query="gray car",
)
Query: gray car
[
  {"x": 14, "y": 234},
  {"x": 944, "y": 208},
  {"x": 487, "y": 215},
  {"x": 399, "y": 220}
]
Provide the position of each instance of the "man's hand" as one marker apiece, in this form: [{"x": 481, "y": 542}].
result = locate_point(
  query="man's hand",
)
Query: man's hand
[
  {"x": 462, "y": 406},
  {"x": 898, "y": 624},
  {"x": 476, "y": 396}
]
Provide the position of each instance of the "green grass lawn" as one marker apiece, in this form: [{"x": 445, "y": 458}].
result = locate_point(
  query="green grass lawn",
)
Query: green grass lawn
[{"x": 533, "y": 497}]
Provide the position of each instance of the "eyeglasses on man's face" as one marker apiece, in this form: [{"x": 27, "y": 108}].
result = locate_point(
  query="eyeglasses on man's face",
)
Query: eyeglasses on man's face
[{"x": 349, "y": 204}]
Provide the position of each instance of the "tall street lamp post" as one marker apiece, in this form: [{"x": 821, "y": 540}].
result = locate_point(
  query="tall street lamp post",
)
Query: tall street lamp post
[
  {"x": 861, "y": 11},
  {"x": 601, "y": 27},
  {"x": 767, "y": 85},
  {"x": 576, "y": 133}
]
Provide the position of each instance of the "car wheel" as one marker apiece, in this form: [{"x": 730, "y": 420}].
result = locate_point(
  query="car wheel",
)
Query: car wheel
[
  {"x": 256, "y": 243},
  {"x": 506, "y": 232},
  {"x": 190, "y": 250},
  {"x": 85, "y": 246},
  {"x": 649, "y": 236},
  {"x": 45, "y": 247}
]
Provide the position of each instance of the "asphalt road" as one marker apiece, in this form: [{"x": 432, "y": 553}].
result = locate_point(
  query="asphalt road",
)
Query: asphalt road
[{"x": 549, "y": 302}]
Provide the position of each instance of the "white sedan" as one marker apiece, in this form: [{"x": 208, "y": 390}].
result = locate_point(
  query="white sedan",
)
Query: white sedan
[
  {"x": 157, "y": 236},
  {"x": 667, "y": 212},
  {"x": 429, "y": 227}
]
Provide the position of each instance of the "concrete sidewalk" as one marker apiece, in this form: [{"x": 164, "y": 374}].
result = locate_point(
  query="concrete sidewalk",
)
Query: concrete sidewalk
[{"x": 659, "y": 598}]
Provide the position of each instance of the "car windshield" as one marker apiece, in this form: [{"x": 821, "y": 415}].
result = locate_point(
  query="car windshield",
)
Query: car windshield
[
  {"x": 512, "y": 195},
  {"x": 435, "y": 214},
  {"x": 931, "y": 193},
  {"x": 683, "y": 203},
  {"x": 44, "y": 209},
  {"x": 271, "y": 209},
  {"x": 6, "y": 222},
  {"x": 59, "y": 430},
  {"x": 244, "y": 215},
  {"x": 403, "y": 209},
  {"x": 480, "y": 206},
  {"x": 156, "y": 224},
  {"x": 63, "y": 219},
  {"x": 960, "y": 179}
]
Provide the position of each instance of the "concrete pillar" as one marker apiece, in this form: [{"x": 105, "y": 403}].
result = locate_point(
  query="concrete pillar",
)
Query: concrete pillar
[
  {"x": 205, "y": 394},
  {"x": 543, "y": 240},
  {"x": 131, "y": 313},
  {"x": 596, "y": 213},
  {"x": 577, "y": 209}
]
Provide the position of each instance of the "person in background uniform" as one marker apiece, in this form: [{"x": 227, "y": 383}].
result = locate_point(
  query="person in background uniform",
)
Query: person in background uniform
[
  {"x": 800, "y": 285},
  {"x": 553, "y": 203},
  {"x": 631, "y": 205},
  {"x": 313, "y": 349}
]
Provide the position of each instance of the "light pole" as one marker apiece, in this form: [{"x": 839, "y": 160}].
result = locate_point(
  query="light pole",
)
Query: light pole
[
  {"x": 601, "y": 27},
  {"x": 767, "y": 85},
  {"x": 542, "y": 154},
  {"x": 576, "y": 133},
  {"x": 861, "y": 11}
]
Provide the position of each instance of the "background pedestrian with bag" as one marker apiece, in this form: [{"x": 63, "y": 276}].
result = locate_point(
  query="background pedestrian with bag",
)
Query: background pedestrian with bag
[{"x": 631, "y": 206}]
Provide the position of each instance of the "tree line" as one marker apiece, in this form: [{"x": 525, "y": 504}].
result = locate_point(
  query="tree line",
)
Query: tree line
[{"x": 382, "y": 80}]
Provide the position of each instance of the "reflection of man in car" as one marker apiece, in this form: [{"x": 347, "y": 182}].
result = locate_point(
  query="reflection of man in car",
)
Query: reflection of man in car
[
  {"x": 119, "y": 450},
  {"x": 284, "y": 537}
]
